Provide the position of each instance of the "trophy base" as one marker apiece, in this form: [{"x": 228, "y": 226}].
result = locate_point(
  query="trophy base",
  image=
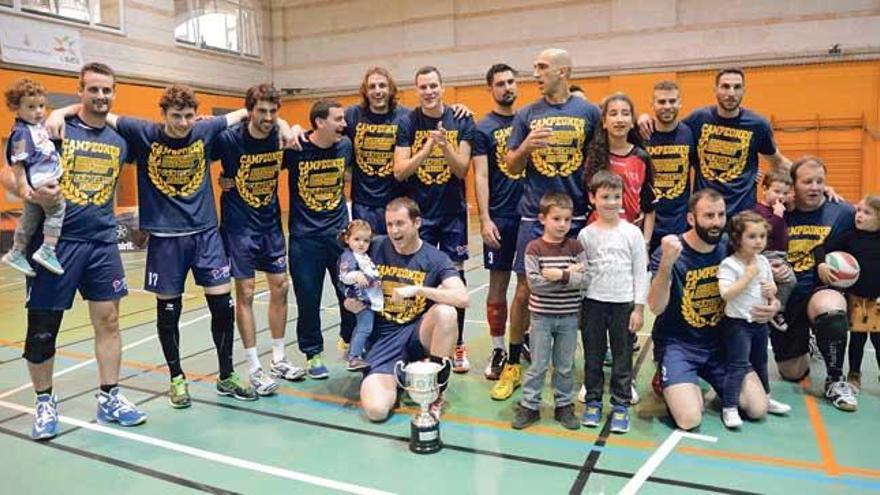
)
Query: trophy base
[{"x": 425, "y": 439}]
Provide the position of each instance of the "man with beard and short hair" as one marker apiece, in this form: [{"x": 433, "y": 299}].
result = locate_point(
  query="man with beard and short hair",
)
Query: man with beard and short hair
[
  {"x": 498, "y": 192},
  {"x": 549, "y": 142},
  {"x": 433, "y": 155},
  {"x": 814, "y": 225},
  {"x": 728, "y": 141},
  {"x": 317, "y": 214},
  {"x": 672, "y": 151},
  {"x": 685, "y": 297},
  {"x": 92, "y": 155},
  {"x": 251, "y": 157},
  {"x": 422, "y": 290}
]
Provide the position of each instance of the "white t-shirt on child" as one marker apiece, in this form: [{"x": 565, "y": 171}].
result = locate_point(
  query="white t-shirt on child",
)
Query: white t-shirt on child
[{"x": 730, "y": 270}]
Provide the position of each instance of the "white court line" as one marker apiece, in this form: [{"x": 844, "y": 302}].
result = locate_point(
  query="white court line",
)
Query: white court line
[
  {"x": 210, "y": 456},
  {"x": 477, "y": 289},
  {"x": 93, "y": 360},
  {"x": 653, "y": 462}
]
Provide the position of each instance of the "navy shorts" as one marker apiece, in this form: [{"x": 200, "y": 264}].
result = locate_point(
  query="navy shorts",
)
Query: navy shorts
[
  {"x": 448, "y": 233},
  {"x": 373, "y": 215},
  {"x": 402, "y": 344},
  {"x": 169, "y": 259},
  {"x": 686, "y": 364},
  {"x": 94, "y": 268},
  {"x": 263, "y": 251},
  {"x": 501, "y": 259},
  {"x": 530, "y": 230}
]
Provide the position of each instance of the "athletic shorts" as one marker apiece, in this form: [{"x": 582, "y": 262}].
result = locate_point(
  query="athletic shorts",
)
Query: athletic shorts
[
  {"x": 401, "y": 345},
  {"x": 263, "y": 251},
  {"x": 373, "y": 215},
  {"x": 448, "y": 233},
  {"x": 169, "y": 259},
  {"x": 94, "y": 268},
  {"x": 501, "y": 259},
  {"x": 686, "y": 364},
  {"x": 530, "y": 230}
]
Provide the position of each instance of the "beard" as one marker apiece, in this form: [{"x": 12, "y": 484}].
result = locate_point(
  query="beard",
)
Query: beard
[
  {"x": 506, "y": 100},
  {"x": 707, "y": 236}
]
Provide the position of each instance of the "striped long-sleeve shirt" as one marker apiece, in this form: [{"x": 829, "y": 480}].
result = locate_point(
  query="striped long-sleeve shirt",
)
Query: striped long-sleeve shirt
[{"x": 561, "y": 297}]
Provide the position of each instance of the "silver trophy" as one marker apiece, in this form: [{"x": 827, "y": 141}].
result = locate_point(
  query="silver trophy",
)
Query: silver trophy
[{"x": 422, "y": 386}]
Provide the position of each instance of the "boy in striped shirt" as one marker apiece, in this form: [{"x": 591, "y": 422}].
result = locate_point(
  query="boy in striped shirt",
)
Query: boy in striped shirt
[{"x": 555, "y": 270}]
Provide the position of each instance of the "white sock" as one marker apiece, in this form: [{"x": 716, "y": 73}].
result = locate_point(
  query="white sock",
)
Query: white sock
[
  {"x": 498, "y": 342},
  {"x": 253, "y": 359},
  {"x": 278, "y": 350}
]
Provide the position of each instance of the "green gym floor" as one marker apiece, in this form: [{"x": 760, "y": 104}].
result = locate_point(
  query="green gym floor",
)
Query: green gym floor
[{"x": 311, "y": 437}]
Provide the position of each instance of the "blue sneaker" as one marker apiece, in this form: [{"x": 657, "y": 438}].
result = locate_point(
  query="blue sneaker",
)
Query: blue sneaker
[
  {"x": 113, "y": 407},
  {"x": 16, "y": 259},
  {"x": 46, "y": 256},
  {"x": 46, "y": 417},
  {"x": 619, "y": 419},
  {"x": 316, "y": 369},
  {"x": 592, "y": 414}
]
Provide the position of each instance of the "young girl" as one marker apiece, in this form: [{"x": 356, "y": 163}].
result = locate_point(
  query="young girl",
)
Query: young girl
[
  {"x": 745, "y": 280},
  {"x": 361, "y": 280},
  {"x": 618, "y": 149},
  {"x": 863, "y": 298}
]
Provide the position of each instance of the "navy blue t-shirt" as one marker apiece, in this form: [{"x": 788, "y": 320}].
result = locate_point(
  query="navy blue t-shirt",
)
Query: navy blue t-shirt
[
  {"x": 433, "y": 186},
  {"x": 252, "y": 206},
  {"x": 29, "y": 144},
  {"x": 174, "y": 180},
  {"x": 672, "y": 154},
  {"x": 91, "y": 158},
  {"x": 316, "y": 181},
  {"x": 505, "y": 189},
  {"x": 560, "y": 166},
  {"x": 427, "y": 267},
  {"x": 373, "y": 137},
  {"x": 695, "y": 306},
  {"x": 727, "y": 151},
  {"x": 809, "y": 231}
]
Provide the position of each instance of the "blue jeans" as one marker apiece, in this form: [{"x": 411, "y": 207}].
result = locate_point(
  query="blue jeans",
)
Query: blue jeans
[
  {"x": 552, "y": 336},
  {"x": 310, "y": 257},
  {"x": 746, "y": 345},
  {"x": 361, "y": 333}
]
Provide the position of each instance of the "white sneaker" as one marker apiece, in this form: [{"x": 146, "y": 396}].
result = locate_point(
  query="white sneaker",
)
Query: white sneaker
[
  {"x": 635, "y": 395},
  {"x": 730, "y": 417},
  {"x": 460, "y": 361},
  {"x": 287, "y": 370},
  {"x": 776, "y": 407},
  {"x": 841, "y": 395},
  {"x": 582, "y": 394},
  {"x": 262, "y": 383}
]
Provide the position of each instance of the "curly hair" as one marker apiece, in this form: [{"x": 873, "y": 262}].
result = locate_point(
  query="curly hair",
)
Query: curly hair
[
  {"x": 739, "y": 223},
  {"x": 23, "y": 88},
  {"x": 178, "y": 96},
  {"x": 354, "y": 226},
  {"x": 598, "y": 153},
  {"x": 261, "y": 92},
  {"x": 392, "y": 88}
]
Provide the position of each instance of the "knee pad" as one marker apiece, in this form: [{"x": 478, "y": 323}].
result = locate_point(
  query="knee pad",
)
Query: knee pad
[
  {"x": 43, "y": 327},
  {"x": 832, "y": 325},
  {"x": 222, "y": 310},
  {"x": 168, "y": 313}
]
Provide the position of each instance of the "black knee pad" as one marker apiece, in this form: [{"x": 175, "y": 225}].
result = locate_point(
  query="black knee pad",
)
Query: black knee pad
[
  {"x": 168, "y": 313},
  {"x": 832, "y": 325},
  {"x": 43, "y": 327}
]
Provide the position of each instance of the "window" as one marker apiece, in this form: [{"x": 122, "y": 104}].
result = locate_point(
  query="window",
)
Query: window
[
  {"x": 225, "y": 25},
  {"x": 102, "y": 13}
]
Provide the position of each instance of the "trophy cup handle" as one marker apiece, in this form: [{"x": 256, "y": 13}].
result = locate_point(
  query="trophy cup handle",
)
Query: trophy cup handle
[
  {"x": 398, "y": 371},
  {"x": 445, "y": 370}
]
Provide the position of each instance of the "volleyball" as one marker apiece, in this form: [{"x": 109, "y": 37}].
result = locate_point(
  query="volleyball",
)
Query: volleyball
[{"x": 845, "y": 268}]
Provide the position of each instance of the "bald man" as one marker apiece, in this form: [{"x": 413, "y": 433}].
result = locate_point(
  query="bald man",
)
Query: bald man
[{"x": 549, "y": 142}]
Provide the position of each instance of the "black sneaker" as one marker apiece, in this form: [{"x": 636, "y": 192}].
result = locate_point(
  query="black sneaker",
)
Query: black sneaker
[
  {"x": 496, "y": 364},
  {"x": 778, "y": 322},
  {"x": 526, "y": 348},
  {"x": 524, "y": 417},
  {"x": 566, "y": 417}
]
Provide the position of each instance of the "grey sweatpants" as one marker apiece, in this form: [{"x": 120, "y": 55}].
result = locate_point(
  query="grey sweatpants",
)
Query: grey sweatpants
[{"x": 31, "y": 217}]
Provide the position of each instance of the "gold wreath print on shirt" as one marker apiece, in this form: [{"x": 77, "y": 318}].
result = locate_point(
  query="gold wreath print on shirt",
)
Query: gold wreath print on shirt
[
  {"x": 723, "y": 152},
  {"x": 319, "y": 184},
  {"x": 671, "y": 169},
  {"x": 177, "y": 172},
  {"x": 434, "y": 169},
  {"x": 501, "y": 136},
  {"x": 257, "y": 178},
  {"x": 565, "y": 154},
  {"x": 90, "y": 171},
  {"x": 701, "y": 303},
  {"x": 374, "y": 148},
  {"x": 802, "y": 240},
  {"x": 411, "y": 308}
]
